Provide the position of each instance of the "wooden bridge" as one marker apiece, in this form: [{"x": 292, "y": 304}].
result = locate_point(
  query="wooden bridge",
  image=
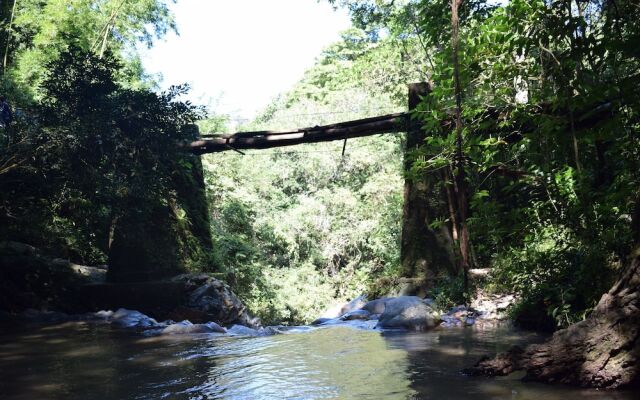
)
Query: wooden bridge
[
  {"x": 267, "y": 139},
  {"x": 422, "y": 248},
  {"x": 390, "y": 123},
  {"x": 399, "y": 122},
  {"x": 419, "y": 246}
]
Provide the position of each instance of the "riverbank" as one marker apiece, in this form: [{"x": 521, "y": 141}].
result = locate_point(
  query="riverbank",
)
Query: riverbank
[
  {"x": 35, "y": 285},
  {"x": 42, "y": 289}
]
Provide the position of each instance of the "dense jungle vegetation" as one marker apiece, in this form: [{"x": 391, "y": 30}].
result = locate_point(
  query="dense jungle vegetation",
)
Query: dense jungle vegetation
[{"x": 540, "y": 172}]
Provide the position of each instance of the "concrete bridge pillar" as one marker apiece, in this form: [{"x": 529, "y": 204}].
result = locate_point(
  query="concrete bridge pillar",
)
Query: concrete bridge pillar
[{"x": 426, "y": 253}]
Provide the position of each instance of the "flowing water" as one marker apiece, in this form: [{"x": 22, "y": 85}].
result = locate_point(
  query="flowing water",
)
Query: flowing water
[{"x": 85, "y": 361}]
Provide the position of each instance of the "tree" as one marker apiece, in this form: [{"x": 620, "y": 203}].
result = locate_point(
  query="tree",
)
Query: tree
[
  {"x": 461, "y": 184},
  {"x": 550, "y": 134},
  {"x": 103, "y": 159},
  {"x": 38, "y": 31}
]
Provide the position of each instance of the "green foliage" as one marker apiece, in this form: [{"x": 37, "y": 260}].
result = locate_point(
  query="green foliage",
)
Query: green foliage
[
  {"x": 551, "y": 145},
  {"x": 99, "y": 156},
  {"x": 300, "y": 228},
  {"x": 41, "y": 30},
  {"x": 541, "y": 210},
  {"x": 551, "y": 191},
  {"x": 556, "y": 276},
  {"x": 325, "y": 219},
  {"x": 565, "y": 215},
  {"x": 448, "y": 293},
  {"x": 294, "y": 295},
  {"x": 213, "y": 124}
]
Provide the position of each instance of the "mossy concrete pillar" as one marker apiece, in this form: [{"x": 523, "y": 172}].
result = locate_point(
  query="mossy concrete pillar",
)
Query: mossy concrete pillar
[
  {"x": 173, "y": 236},
  {"x": 425, "y": 252}
]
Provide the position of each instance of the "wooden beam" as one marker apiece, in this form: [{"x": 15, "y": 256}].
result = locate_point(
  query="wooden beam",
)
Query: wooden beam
[
  {"x": 268, "y": 139},
  {"x": 390, "y": 123}
]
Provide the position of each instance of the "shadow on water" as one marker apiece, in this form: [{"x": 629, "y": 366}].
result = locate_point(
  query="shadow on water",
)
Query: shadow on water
[
  {"x": 80, "y": 361},
  {"x": 436, "y": 359}
]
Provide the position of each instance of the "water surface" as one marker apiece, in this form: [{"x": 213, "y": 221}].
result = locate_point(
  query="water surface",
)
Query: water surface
[{"x": 83, "y": 361}]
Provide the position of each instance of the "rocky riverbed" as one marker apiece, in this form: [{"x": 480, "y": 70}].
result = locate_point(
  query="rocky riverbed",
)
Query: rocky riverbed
[
  {"x": 195, "y": 303},
  {"x": 417, "y": 314},
  {"x": 229, "y": 317}
]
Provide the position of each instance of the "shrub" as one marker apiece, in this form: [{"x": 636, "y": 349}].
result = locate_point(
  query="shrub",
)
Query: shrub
[{"x": 556, "y": 276}]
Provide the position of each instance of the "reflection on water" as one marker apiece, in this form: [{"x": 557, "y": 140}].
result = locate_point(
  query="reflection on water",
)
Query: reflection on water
[
  {"x": 79, "y": 361},
  {"x": 323, "y": 364}
]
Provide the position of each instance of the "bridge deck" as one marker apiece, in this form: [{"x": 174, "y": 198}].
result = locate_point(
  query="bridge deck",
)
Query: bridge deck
[{"x": 268, "y": 139}]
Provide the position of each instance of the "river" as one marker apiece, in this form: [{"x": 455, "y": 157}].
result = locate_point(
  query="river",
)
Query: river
[{"x": 88, "y": 361}]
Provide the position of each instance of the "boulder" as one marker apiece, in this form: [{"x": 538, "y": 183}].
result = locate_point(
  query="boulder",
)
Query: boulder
[
  {"x": 338, "y": 310},
  {"x": 155, "y": 299},
  {"x": 408, "y": 312},
  {"x": 100, "y": 315},
  {"x": 241, "y": 330},
  {"x": 492, "y": 306},
  {"x": 215, "y": 327},
  {"x": 331, "y": 321},
  {"x": 214, "y": 300},
  {"x": 96, "y": 274},
  {"x": 17, "y": 248},
  {"x": 449, "y": 321},
  {"x": 320, "y": 321},
  {"x": 32, "y": 279},
  {"x": 186, "y": 327},
  {"x": 356, "y": 314},
  {"x": 461, "y": 312},
  {"x": 376, "y": 306},
  {"x": 354, "y": 304},
  {"x": 183, "y": 313},
  {"x": 274, "y": 330},
  {"x": 124, "y": 318},
  {"x": 199, "y": 298}
]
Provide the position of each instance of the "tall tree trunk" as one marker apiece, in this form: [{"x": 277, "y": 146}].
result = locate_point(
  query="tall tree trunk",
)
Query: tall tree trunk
[
  {"x": 451, "y": 204},
  {"x": 602, "y": 351},
  {"x": 8, "y": 38},
  {"x": 574, "y": 138},
  {"x": 578, "y": 77},
  {"x": 105, "y": 38},
  {"x": 460, "y": 167}
]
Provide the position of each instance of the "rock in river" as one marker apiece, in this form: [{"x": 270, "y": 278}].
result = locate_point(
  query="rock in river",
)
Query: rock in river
[
  {"x": 321, "y": 320},
  {"x": 354, "y": 304},
  {"x": 356, "y": 314},
  {"x": 186, "y": 327},
  {"x": 407, "y": 312},
  {"x": 338, "y": 310},
  {"x": 241, "y": 330},
  {"x": 124, "y": 318},
  {"x": 376, "y": 306},
  {"x": 214, "y": 300}
]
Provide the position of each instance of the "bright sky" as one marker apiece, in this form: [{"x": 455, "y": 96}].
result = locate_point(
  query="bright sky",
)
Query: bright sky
[{"x": 239, "y": 54}]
